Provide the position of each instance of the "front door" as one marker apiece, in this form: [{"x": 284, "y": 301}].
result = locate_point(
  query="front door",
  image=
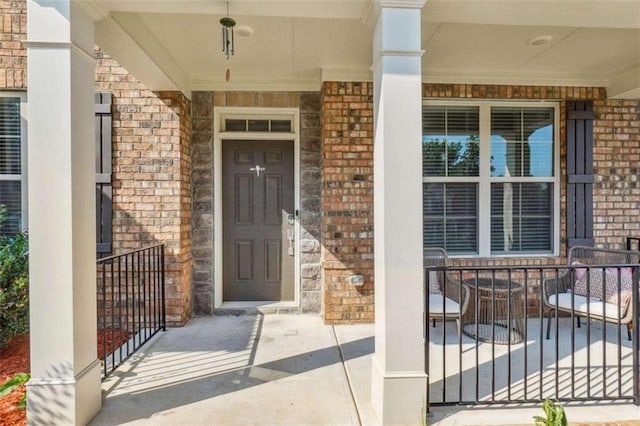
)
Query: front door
[{"x": 258, "y": 220}]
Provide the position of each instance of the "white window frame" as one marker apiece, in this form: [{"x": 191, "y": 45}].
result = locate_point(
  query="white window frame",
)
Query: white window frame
[
  {"x": 484, "y": 180},
  {"x": 23, "y": 154}
]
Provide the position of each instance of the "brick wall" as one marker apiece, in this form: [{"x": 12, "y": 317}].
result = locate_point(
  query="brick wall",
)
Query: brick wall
[
  {"x": 13, "y": 54},
  {"x": 347, "y": 234},
  {"x": 347, "y": 200},
  {"x": 616, "y": 167},
  {"x": 204, "y": 104},
  {"x": 151, "y": 176}
]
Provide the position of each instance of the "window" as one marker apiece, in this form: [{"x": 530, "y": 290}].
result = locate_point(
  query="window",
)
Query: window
[
  {"x": 12, "y": 183},
  {"x": 490, "y": 184},
  {"x": 257, "y": 125}
]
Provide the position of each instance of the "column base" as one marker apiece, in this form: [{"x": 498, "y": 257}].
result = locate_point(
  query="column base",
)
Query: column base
[
  {"x": 398, "y": 397},
  {"x": 64, "y": 400}
]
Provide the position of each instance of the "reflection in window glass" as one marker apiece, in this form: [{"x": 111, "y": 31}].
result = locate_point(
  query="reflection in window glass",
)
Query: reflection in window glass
[
  {"x": 521, "y": 217},
  {"x": 258, "y": 125},
  {"x": 521, "y": 142},
  {"x": 281, "y": 126},
  {"x": 450, "y": 216},
  {"x": 450, "y": 141},
  {"x": 233, "y": 125}
]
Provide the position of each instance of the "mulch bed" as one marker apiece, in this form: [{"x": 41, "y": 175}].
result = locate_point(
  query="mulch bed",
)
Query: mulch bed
[{"x": 14, "y": 358}]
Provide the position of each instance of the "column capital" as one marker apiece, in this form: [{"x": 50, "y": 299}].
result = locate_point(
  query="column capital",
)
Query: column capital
[
  {"x": 401, "y": 4},
  {"x": 373, "y": 8}
]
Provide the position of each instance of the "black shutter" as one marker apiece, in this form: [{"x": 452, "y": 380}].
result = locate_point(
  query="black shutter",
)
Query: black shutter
[
  {"x": 580, "y": 173},
  {"x": 103, "y": 173}
]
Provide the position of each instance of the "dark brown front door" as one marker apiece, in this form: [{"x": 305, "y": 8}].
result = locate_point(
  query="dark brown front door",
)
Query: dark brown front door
[{"x": 258, "y": 220}]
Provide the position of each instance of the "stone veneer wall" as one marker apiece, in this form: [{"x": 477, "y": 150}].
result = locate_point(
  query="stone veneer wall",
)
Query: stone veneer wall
[
  {"x": 13, "y": 54},
  {"x": 151, "y": 136},
  {"x": 347, "y": 200},
  {"x": 204, "y": 104},
  {"x": 348, "y": 188}
]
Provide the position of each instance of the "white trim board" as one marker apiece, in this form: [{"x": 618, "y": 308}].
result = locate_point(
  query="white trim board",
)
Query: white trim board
[{"x": 292, "y": 114}]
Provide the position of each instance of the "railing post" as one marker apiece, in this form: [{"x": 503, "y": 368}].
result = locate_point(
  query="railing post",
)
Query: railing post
[
  {"x": 425, "y": 295},
  {"x": 164, "y": 314},
  {"x": 635, "y": 306}
]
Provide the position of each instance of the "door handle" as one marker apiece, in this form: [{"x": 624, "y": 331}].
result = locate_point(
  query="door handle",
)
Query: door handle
[{"x": 257, "y": 169}]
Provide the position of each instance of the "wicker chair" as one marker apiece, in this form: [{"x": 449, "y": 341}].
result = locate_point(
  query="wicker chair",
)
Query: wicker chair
[
  {"x": 558, "y": 291},
  {"x": 448, "y": 299}
]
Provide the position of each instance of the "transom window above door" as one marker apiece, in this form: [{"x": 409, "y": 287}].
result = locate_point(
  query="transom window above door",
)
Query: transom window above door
[
  {"x": 269, "y": 125},
  {"x": 490, "y": 184}
]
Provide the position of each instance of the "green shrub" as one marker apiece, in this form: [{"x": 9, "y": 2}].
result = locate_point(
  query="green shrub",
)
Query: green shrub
[
  {"x": 554, "y": 415},
  {"x": 14, "y": 286}
]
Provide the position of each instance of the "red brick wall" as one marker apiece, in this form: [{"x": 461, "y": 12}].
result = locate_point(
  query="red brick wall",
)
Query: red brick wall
[
  {"x": 151, "y": 176},
  {"x": 347, "y": 200},
  {"x": 13, "y": 54}
]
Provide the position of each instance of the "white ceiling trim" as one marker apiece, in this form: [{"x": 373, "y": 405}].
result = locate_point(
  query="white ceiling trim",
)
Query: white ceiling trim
[
  {"x": 439, "y": 76},
  {"x": 346, "y": 74},
  {"x": 121, "y": 46},
  {"x": 361, "y": 75},
  {"x": 92, "y": 9},
  {"x": 220, "y": 85},
  {"x": 142, "y": 36},
  {"x": 625, "y": 85}
]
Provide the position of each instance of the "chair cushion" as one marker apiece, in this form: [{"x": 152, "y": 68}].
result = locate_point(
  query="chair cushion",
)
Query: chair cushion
[
  {"x": 626, "y": 284},
  {"x": 591, "y": 284},
  {"x": 438, "y": 304},
  {"x": 580, "y": 304},
  {"x": 434, "y": 283},
  {"x": 594, "y": 283}
]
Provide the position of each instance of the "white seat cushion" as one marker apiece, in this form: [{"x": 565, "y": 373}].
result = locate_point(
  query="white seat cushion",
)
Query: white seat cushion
[
  {"x": 438, "y": 304},
  {"x": 580, "y": 304}
]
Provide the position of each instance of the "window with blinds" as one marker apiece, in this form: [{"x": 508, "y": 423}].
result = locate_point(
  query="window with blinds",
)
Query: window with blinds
[
  {"x": 522, "y": 170},
  {"x": 450, "y": 169},
  {"x": 489, "y": 178},
  {"x": 10, "y": 166}
]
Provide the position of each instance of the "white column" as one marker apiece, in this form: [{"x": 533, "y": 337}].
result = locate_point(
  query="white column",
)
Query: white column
[
  {"x": 65, "y": 371},
  {"x": 399, "y": 381}
]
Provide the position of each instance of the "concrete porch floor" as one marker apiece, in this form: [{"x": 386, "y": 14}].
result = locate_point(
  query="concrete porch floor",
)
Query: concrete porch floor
[{"x": 279, "y": 369}]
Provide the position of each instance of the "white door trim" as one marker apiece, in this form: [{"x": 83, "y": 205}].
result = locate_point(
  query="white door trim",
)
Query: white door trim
[{"x": 218, "y": 135}]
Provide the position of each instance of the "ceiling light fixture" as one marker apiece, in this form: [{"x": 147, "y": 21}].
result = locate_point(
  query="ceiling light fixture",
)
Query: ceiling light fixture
[
  {"x": 227, "y": 34},
  {"x": 244, "y": 31},
  {"x": 540, "y": 40}
]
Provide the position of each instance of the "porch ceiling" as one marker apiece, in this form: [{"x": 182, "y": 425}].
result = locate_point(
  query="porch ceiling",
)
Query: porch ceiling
[{"x": 297, "y": 44}]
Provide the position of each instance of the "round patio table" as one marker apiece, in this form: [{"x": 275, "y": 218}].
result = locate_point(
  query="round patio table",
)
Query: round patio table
[{"x": 496, "y": 311}]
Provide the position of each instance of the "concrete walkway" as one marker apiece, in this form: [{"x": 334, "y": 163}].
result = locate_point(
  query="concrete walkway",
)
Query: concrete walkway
[{"x": 277, "y": 369}]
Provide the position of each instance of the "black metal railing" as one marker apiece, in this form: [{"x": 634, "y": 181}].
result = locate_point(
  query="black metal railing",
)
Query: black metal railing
[
  {"x": 498, "y": 349},
  {"x": 131, "y": 303}
]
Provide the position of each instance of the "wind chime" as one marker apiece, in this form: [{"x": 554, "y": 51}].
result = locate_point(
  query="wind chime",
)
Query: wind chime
[
  {"x": 227, "y": 38},
  {"x": 227, "y": 34}
]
